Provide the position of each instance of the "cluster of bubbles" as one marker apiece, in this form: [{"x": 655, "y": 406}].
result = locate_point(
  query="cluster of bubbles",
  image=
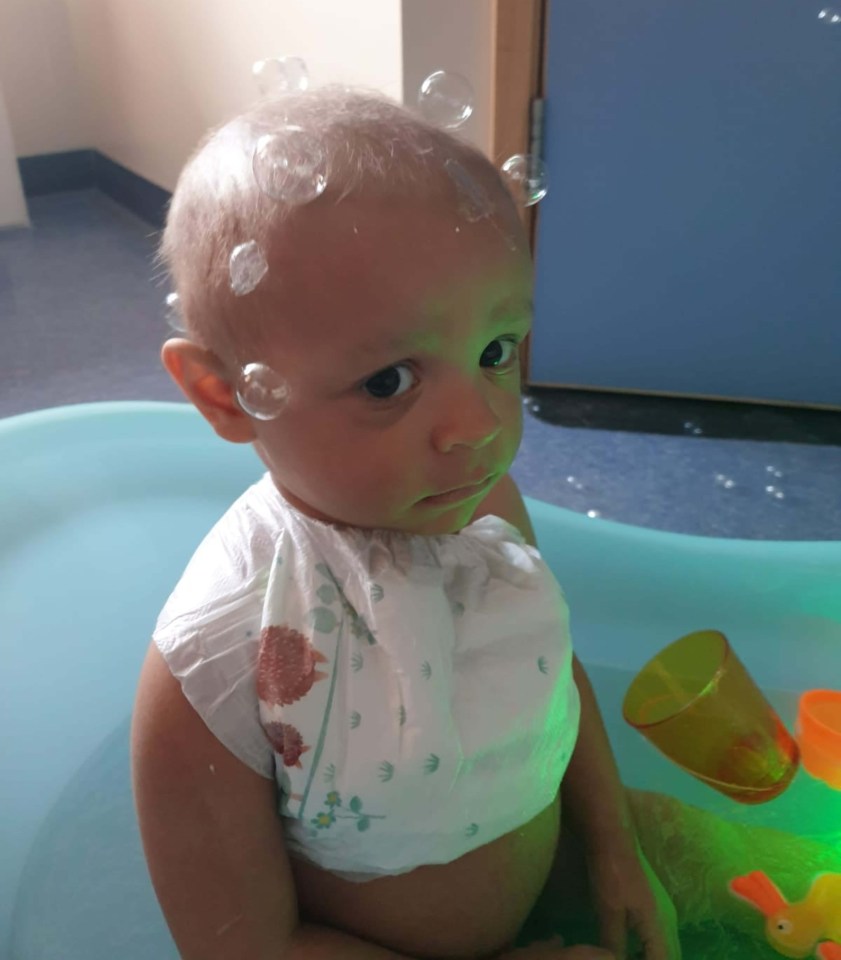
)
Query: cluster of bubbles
[
  {"x": 830, "y": 15},
  {"x": 525, "y": 175},
  {"x": 278, "y": 75},
  {"x": 174, "y": 316},
  {"x": 773, "y": 490},
  {"x": 474, "y": 204},
  {"x": 290, "y": 166},
  {"x": 446, "y": 99},
  {"x": 247, "y": 267},
  {"x": 261, "y": 391}
]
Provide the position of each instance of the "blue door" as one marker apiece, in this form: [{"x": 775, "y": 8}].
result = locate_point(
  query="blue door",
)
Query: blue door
[{"x": 690, "y": 242}]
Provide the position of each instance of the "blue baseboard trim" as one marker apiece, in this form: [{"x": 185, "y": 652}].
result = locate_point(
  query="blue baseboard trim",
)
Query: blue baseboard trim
[
  {"x": 89, "y": 169},
  {"x": 137, "y": 194},
  {"x": 51, "y": 172}
]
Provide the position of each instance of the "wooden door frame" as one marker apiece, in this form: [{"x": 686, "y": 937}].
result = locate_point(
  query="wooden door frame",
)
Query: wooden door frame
[{"x": 518, "y": 36}]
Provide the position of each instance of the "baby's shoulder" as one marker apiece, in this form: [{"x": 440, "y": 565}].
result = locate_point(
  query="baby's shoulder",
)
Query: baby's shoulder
[{"x": 229, "y": 568}]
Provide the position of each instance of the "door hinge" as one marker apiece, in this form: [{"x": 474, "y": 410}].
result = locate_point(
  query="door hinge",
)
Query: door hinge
[{"x": 536, "y": 127}]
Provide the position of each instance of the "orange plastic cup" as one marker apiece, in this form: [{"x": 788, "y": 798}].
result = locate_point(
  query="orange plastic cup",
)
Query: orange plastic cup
[
  {"x": 818, "y": 733},
  {"x": 697, "y": 704}
]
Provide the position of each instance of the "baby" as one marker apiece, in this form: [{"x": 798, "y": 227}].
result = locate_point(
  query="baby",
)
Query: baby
[{"x": 361, "y": 700}]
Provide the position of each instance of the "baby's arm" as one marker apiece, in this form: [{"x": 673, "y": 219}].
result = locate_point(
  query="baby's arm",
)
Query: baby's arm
[{"x": 213, "y": 840}]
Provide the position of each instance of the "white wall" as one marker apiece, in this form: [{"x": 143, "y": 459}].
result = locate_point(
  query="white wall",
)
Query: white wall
[
  {"x": 141, "y": 80},
  {"x": 40, "y": 76},
  {"x": 12, "y": 205},
  {"x": 158, "y": 73},
  {"x": 452, "y": 35}
]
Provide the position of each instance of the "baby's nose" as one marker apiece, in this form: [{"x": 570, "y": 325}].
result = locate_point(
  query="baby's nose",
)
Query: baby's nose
[{"x": 467, "y": 420}]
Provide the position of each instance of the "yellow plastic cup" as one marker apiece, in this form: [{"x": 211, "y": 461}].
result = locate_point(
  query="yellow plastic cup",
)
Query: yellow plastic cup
[
  {"x": 697, "y": 704},
  {"x": 818, "y": 733}
]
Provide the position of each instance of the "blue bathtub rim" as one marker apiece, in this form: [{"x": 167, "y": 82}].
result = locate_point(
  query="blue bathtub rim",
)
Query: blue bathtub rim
[{"x": 794, "y": 550}]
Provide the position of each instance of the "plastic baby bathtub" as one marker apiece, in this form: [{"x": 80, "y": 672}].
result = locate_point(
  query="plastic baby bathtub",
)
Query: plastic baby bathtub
[{"x": 101, "y": 506}]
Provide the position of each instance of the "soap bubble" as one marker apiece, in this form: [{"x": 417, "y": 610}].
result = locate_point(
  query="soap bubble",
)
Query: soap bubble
[
  {"x": 594, "y": 514},
  {"x": 575, "y": 483},
  {"x": 261, "y": 391},
  {"x": 722, "y": 480},
  {"x": 290, "y": 166},
  {"x": 446, "y": 99},
  {"x": 247, "y": 268},
  {"x": 278, "y": 75},
  {"x": 830, "y": 15},
  {"x": 774, "y": 471},
  {"x": 174, "y": 316},
  {"x": 691, "y": 427},
  {"x": 526, "y": 177},
  {"x": 473, "y": 201},
  {"x": 775, "y": 492}
]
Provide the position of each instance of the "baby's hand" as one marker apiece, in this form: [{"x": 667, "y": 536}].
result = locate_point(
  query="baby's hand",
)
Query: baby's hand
[{"x": 555, "y": 950}]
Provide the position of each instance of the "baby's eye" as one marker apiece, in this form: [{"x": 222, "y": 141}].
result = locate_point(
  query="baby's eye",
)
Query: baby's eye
[
  {"x": 498, "y": 353},
  {"x": 390, "y": 382}
]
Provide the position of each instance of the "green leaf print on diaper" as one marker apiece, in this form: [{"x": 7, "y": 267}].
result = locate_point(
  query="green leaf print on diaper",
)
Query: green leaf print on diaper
[
  {"x": 323, "y": 619},
  {"x": 426, "y": 670},
  {"x": 355, "y": 720},
  {"x": 472, "y": 830},
  {"x": 358, "y": 627},
  {"x": 432, "y": 763},
  {"x": 377, "y": 592},
  {"x": 326, "y": 593},
  {"x": 326, "y": 818},
  {"x": 356, "y": 662},
  {"x": 386, "y": 771},
  {"x": 401, "y": 715},
  {"x": 543, "y": 665}
]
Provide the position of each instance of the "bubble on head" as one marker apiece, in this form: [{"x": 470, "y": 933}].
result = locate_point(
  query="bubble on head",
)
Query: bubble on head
[
  {"x": 290, "y": 166},
  {"x": 262, "y": 392},
  {"x": 526, "y": 177},
  {"x": 446, "y": 99},
  {"x": 474, "y": 204},
  {"x": 247, "y": 267},
  {"x": 174, "y": 314},
  {"x": 277, "y": 75}
]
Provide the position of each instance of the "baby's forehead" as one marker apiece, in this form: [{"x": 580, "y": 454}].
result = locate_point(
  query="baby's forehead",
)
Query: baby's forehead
[
  {"x": 384, "y": 264},
  {"x": 385, "y": 178}
]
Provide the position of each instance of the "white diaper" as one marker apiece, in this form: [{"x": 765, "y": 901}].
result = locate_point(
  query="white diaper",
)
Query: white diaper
[{"x": 416, "y": 692}]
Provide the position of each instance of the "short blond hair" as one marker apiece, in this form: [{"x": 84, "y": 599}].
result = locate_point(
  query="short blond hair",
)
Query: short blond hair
[{"x": 369, "y": 144}]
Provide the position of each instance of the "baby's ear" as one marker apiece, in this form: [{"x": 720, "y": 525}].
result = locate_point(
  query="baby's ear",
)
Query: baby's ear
[{"x": 201, "y": 377}]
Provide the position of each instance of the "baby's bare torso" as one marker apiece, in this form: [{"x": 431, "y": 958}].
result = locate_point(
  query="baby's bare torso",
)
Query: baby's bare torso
[{"x": 471, "y": 907}]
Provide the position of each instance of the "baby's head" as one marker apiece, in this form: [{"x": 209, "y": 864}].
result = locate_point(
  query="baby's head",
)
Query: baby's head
[{"x": 388, "y": 316}]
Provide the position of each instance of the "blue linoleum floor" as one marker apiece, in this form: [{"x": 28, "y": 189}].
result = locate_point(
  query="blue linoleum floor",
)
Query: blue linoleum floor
[{"x": 81, "y": 319}]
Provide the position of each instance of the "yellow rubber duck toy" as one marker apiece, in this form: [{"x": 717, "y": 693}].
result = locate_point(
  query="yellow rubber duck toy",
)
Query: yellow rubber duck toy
[{"x": 797, "y": 929}]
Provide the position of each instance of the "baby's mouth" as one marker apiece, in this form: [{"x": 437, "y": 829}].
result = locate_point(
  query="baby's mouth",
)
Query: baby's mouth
[{"x": 457, "y": 494}]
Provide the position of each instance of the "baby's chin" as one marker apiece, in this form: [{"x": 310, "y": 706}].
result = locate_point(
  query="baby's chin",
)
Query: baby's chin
[
  {"x": 417, "y": 517},
  {"x": 442, "y": 521}
]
